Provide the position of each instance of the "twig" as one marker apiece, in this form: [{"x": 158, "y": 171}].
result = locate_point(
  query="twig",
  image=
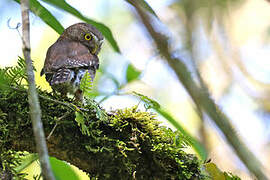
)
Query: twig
[
  {"x": 57, "y": 122},
  {"x": 35, "y": 111},
  {"x": 69, "y": 105},
  {"x": 200, "y": 96}
]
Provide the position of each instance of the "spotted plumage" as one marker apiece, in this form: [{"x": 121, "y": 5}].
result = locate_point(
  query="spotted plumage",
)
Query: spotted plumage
[{"x": 74, "y": 53}]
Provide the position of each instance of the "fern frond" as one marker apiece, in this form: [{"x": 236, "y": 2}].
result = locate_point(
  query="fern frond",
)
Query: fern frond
[
  {"x": 86, "y": 83},
  {"x": 16, "y": 74}
]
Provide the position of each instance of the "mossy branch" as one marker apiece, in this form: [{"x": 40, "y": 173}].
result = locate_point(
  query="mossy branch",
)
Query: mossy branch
[{"x": 124, "y": 144}]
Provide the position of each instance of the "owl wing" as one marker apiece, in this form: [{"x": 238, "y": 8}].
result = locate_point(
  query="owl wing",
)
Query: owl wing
[{"x": 68, "y": 55}]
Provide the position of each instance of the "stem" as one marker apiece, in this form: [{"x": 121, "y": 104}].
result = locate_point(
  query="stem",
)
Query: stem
[{"x": 35, "y": 111}]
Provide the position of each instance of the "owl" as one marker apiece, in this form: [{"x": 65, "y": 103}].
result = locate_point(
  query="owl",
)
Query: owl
[{"x": 71, "y": 56}]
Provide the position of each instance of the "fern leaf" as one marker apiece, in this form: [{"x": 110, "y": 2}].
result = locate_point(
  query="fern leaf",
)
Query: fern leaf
[
  {"x": 86, "y": 83},
  {"x": 79, "y": 118},
  {"x": 149, "y": 103},
  {"x": 14, "y": 75}
]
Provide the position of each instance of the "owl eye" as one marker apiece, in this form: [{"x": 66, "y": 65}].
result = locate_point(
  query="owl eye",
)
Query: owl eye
[{"x": 88, "y": 37}]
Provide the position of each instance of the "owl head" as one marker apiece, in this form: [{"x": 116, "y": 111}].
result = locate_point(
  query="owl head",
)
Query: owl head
[{"x": 87, "y": 34}]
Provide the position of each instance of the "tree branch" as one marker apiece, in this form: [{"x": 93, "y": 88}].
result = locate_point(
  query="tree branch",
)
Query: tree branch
[
  {"x": 128, "y": 143},
  {"x": 200, "y": 96},
  {"x": 35, "y": 111}
]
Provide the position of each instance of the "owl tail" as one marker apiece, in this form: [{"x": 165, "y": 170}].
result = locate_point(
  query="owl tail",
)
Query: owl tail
[{"x": 62, "y": 76}]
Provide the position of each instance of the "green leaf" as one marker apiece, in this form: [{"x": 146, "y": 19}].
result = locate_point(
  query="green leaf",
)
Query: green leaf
[
  {"x": 81, "y": 122},
  {"x": 14, "y": 75},
  {"x": 62, "y": 170},
  {"x": 4, "y": 80},
  {"x": 216, "y": 174},
  {"x": 86, "y": 83},
  {"x": 196, "y": 145},
  {"x": 100, "y": 113},
  {"x": 45, "y": 15},
  {"x": 146, "y": 6},
  {"x": 27, "y": 161},
  {"x": 230, "y": 176},
  {"x": 214, "y": 171},
  {"x": 149, "y": 103},
  {"x": 132, "y": 73},
  {"x": 61, "y": 4}
]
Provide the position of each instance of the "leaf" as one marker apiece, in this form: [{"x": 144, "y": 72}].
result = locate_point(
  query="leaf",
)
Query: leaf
[
  {"x": 146, "y": 6},
  {"x": 132, "y": 73},
  {"x": 230, "y": 176},
  {"x": 214, "y": 171},
  {"x": 100, "y": 113},
  {"x": 81, "y": 122},
  {"x": 45, "y": 15},
  {"x": 14, "y": 75},
  {"x": 27, "y": 161},
  {"x": 149, "y": 103},
  {"x": 86, "y": 83},
  {"x": 62, "y": 170},
  {"x": 61, "y": 4},
  {"x": 195, "y": 144},
  {"x": 4, "y": 81},
  {"x": 216, "y": 174}
]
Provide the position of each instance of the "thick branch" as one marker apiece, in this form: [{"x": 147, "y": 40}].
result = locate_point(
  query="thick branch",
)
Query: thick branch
[
  {"x": 35, "y": 111},
  {"x": 126, "y": 144},
  {"x": 200, "y": 96}
]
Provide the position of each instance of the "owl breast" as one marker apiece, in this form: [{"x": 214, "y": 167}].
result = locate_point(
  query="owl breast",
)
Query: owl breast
[{"x": 68, "y": 80}]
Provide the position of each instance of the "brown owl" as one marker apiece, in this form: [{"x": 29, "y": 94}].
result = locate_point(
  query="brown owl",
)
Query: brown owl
[{"x": 74, "y": 53}]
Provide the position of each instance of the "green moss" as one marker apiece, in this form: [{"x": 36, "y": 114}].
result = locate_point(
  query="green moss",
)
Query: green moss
[
  {"x": 131, "y": 143},
  {"x": 122, "y": 144}
]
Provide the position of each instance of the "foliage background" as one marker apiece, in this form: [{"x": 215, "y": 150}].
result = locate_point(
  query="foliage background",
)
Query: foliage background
[{"x": 226, "y": 41}]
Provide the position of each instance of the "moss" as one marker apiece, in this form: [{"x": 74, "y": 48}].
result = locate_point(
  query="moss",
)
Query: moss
[
  {"x": 131, "y": 143},
  {"x": 124, "y": 144}
]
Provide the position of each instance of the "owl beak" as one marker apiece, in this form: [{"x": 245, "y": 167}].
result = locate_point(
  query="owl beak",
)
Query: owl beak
[
  {"x": 94, "y": 51},
  {"x": 97, "y": 47}
]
